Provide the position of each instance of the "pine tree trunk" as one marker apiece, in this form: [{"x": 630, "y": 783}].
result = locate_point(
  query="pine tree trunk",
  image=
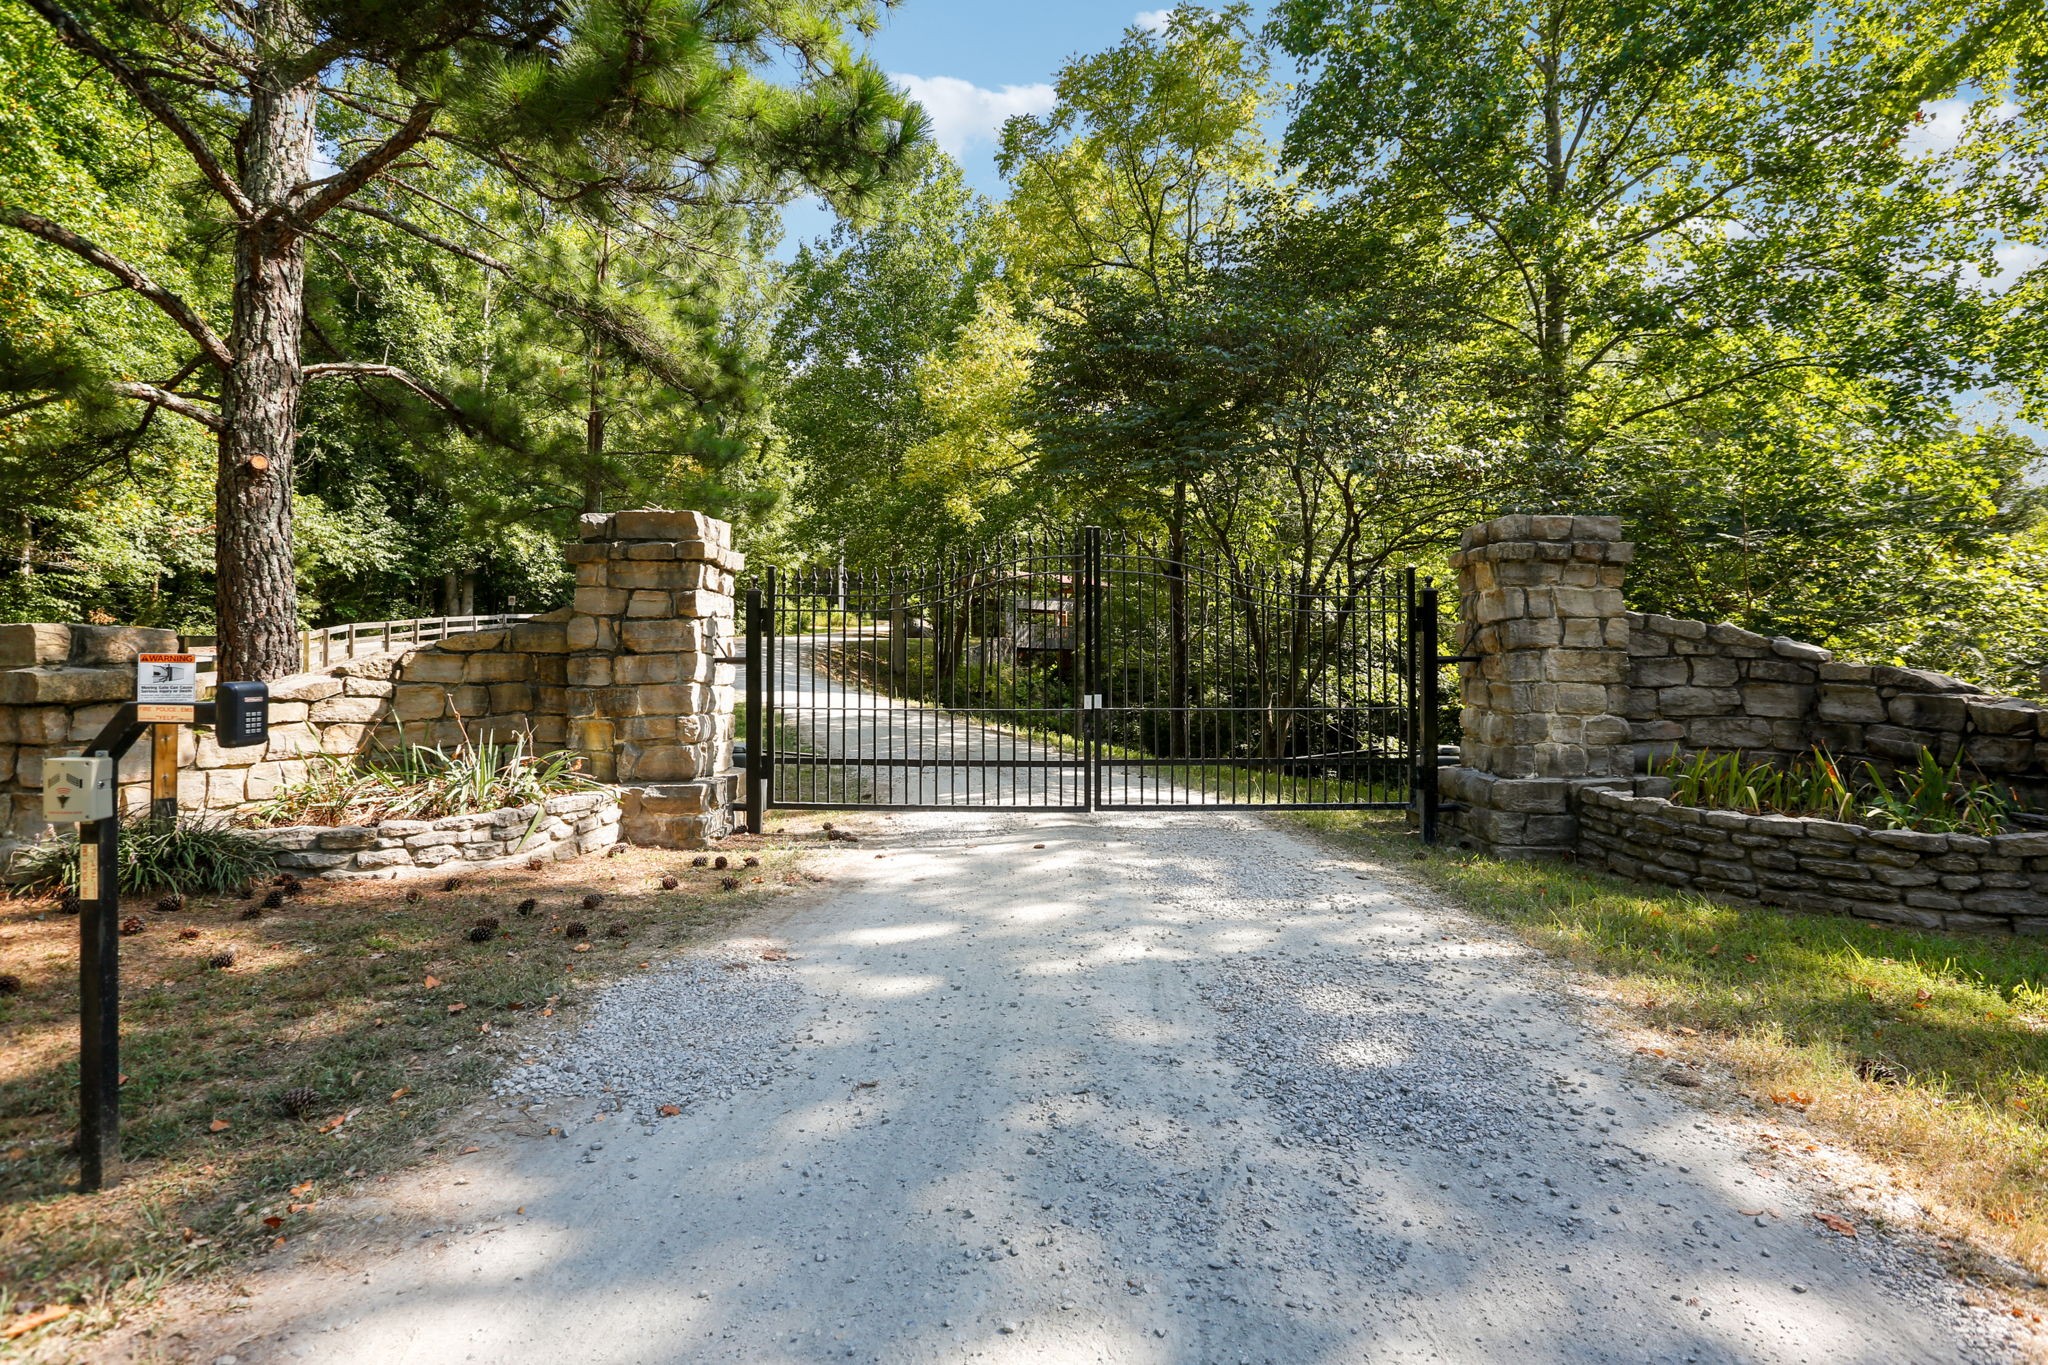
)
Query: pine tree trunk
[{"x": 255, "y": 589}]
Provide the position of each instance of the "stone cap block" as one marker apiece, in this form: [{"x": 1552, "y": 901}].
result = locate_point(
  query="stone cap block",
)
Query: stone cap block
[
  {"x": 26, "y": 644},
  {"x": 117, "y": 646},
  {"x": 60, "y": 686},
  {"x": 306, "y": 687}
]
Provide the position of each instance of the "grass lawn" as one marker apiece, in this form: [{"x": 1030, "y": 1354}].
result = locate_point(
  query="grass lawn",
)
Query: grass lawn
[
  {"x": 1927, "y": 1052},
  {"x": 369, "y": 993}
]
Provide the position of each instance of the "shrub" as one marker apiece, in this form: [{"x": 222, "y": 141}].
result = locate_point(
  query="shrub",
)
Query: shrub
[
  {"x": 197, "y": 855},
  {"x": 1932, "y": 797},
  {"x": 425, "y": 782}
]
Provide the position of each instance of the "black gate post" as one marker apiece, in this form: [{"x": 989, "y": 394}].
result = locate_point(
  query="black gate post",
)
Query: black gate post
[
  {"x": 1428, "y": 702},
  {"x": 757, "y": 767},
  {"x": 1090, "y": 592},
  {"x": 99, "y": 1000}
]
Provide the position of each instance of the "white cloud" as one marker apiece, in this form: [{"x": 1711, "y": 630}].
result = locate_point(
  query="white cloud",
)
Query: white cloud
[
  {"x": 963, "y": 113},
  {"x": 1153, "y": 20},
  {"x": 1942, "y": 123}
]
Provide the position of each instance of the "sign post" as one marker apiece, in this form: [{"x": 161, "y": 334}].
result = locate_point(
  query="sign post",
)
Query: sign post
[{"x": 86, "y": 791}]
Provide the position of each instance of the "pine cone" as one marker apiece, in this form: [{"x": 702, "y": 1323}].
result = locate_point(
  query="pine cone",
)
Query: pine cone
[
  {"x": 728, "y": 883},
  {"x": 68, "y": 903},
  {"x": 452, "y": 884},
  {"x": 170, "y": 904},
  {"x": 575, "y": 928},
  {"x": 131, "y": 926},
  {"x": 536, "y": 864},
  {"x": 528, "y": 906},
  {"x": 274, "y": 901},
  {"x": 188, "y": 933},
  {"x": 700, "y": 861},
  {"x": 10, "y": 984},
  {"x": 483, "y": 931},
  {"x": 299, "y": 1101},
  {"x": 615, "y": 931},
  {"x": 670, "y": 883},
  {"x": 720, "y": 862},
  {"x": 592, "y": 901},
  {"x": 291, "y": 885},
  {"x": 412, "y": 897},
  {"x": 253, "y": 912},
  {"x": 752, "y": 861},
  {"x": 222, "y": 960}
]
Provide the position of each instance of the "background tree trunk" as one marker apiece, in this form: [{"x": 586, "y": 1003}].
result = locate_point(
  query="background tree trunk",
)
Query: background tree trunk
[{"x": 256, "y": 599}]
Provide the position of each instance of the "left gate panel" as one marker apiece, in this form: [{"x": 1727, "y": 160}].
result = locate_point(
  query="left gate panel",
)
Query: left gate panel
[{"x": 947, "y": 685}]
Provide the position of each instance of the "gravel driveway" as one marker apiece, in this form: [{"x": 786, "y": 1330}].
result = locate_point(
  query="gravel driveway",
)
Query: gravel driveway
[{"x": 1141, "y": 1087}]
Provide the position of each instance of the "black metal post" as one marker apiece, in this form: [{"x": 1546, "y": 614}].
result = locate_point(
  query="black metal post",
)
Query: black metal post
[
  {"x": 757, "y": 760},
  {"x": 771, "y": 672},
  {"x": 1428, "y": 705},
  {"x": 99, "y": 999}
]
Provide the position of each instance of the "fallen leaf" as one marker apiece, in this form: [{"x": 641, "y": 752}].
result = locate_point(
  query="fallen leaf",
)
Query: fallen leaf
[
  {"x": 1688, "y": 1032},
  {"x": 302, "y": 1187},
  {"x": 457, "y": 1008},
  {"x": 775, "y": 955},
  {"x": 467, "y": 1150},
  {"x": 401, "y": 1092},
  {"x": 42, "y": 1317},
  {"x": 547, "y": 1012},
  {"x": 273, "y": 1222},
  {"x": 669, "y": 1111},
  {"x": 1836, "y": 1223},
  {"x": 297, "y": 1208},
  {"x": 581, "y": 948},
  {"x": 218, "y": 1126},
  {"x": 432, "y": 982}
]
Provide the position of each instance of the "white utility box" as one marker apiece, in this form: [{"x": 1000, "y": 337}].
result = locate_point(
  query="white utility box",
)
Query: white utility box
[{"x": 78, "y": 789}]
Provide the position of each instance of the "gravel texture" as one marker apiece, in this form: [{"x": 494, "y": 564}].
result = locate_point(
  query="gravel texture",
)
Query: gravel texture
[
  {"x": 1141, "y": 1088},
  {"x": 1127, "y": 1088},
  {"x": 704, "y": 1026}
]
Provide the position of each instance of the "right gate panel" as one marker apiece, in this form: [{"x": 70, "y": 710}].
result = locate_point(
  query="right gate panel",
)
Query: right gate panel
[{"x": 1223, "y": 684}]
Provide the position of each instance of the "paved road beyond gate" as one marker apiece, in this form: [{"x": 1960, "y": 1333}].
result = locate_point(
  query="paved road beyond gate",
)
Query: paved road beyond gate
[{"x": 1095, "y": 675}]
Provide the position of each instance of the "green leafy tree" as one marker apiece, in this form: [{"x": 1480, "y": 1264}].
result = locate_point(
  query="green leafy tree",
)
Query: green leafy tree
[
  {"x": 616, "y": 107},
  {"x": 864, "y": 318},
  {"x": 1662, "y": 204}
]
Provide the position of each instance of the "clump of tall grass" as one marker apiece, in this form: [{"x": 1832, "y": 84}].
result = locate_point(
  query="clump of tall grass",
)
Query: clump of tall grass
[
  {"x": 1931, "y": 797},
  {"x": 198, "y": 855},
  {"x": 425, "y": 782}
]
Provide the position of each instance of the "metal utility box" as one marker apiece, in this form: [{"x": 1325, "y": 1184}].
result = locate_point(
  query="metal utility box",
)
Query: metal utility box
[
  {"x": 78, "y": 789},
  {"x": 241, "y": 716}
]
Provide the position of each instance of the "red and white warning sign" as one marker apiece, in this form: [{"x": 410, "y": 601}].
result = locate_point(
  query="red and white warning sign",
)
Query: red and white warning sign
[{"x": 167, "y": 679}]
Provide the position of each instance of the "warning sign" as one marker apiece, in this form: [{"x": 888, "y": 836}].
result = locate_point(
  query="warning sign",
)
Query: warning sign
[{"x": 167, "y": 679}]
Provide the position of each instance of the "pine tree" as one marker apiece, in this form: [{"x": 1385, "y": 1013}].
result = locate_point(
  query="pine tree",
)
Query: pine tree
[{"x": 623, "y": 111}]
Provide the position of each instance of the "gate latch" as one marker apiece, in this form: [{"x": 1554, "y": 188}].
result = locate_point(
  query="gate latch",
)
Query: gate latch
[{"x": 1092, "y": 702}]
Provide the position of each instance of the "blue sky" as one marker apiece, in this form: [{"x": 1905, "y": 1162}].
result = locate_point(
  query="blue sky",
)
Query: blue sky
[{"x": 974, "y": 63}]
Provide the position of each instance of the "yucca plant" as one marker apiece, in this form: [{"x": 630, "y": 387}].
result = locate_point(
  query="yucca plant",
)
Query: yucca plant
[
  {"x": 196, "y": 855},
  {"x": 1931, "y": 797},
  {"x": 426, "y": 782}
]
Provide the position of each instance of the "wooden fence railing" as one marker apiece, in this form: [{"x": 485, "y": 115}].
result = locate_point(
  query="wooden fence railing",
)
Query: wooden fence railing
[{"x": 325, "y": 645}]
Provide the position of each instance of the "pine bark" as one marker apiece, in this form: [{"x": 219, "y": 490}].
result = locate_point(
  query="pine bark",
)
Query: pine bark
[{"x": 256, "y": 590}]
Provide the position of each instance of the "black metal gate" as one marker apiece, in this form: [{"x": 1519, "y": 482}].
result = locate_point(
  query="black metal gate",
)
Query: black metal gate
[{"x": 1086, "y": 675}]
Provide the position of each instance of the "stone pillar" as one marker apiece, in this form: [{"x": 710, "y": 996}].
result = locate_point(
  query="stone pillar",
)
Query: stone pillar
[
  {"x": 650, "y": 702},
  {"x": 1540, "y": 605}
]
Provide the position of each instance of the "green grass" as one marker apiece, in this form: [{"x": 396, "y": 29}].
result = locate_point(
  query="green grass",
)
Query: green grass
[{"x": 1926, "y": 1051}]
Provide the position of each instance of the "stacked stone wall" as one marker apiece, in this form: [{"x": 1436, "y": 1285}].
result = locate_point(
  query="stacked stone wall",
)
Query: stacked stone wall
[
  {"x": 1932, "y": 881},
  {"x": 565, "y": 826},
  {"x": 631, "y": 675},
  {"x": 1697, "y": 687}
]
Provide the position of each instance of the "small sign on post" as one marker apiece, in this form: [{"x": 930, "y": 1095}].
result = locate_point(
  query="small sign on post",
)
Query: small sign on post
[{"x": 167, "y": 680}]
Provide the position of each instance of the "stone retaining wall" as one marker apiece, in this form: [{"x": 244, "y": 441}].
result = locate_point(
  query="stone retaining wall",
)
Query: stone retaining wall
[
  {"x": 561, "y": 827},
  {"x": 1934, "y": 881},
  {"x": 1695, "y": 686},
  {"x": 632, "y": 675}
]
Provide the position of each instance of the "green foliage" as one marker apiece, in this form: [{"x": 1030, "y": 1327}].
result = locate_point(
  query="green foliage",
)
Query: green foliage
[
  {"x": 196, "y": 855},
  {"x": 425, "y": 782},
  {"x": 1930, "y": 797}
]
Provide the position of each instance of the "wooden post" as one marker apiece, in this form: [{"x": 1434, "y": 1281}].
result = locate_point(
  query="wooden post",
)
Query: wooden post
[{"x": 163, "y": 772}]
